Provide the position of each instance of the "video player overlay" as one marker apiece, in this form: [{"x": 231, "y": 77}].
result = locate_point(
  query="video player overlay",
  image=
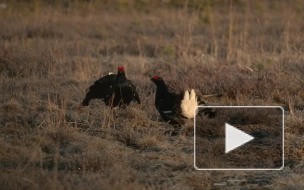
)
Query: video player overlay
[{"x": 239, "y": 138}]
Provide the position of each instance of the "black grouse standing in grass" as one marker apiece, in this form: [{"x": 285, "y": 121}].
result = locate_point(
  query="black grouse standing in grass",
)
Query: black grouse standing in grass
[
  {"x": 175, "y": 108},
  {"x": 115, "y": 90}
]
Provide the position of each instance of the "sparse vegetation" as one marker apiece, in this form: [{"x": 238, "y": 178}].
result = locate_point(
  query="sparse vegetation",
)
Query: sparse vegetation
[{"x": 251, "y": 52}]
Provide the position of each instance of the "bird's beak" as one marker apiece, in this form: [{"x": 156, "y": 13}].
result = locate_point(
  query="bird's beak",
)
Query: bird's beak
[{"x": 151, "y": 79}]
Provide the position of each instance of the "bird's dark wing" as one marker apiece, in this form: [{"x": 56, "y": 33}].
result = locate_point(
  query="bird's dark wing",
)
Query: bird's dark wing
[
  {"x": 104, "y": 81},
  {"x": 200, "y": 101},
  {"x": 206, "y": 111},
  {"x": 177, "y": 103},
  {"x": 134, "y": 91},
  {"x": 101, "y": 89},
  {"x": 166, "y": 104},
  {"x": 169, "y": 111},
  {"x": 171, "y": 118},
  {"x": 123, "y": 92}
]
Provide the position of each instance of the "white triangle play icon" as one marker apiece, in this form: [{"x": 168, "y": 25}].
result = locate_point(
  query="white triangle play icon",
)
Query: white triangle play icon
[{"x": 235, "y": 138}]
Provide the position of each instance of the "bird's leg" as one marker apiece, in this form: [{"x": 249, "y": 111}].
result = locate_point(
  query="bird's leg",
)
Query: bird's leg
[
  {"x": 112, "y": 109},
  {"x": 121, "y": 95},
  {"x": 111, "y": 100},
  {"x": 114, "y": 113}
]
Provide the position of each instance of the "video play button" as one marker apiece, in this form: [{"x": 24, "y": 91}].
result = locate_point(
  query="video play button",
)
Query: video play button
[
  {"x": 239, "y": 138},
  {"x": 235, "y": 138}
]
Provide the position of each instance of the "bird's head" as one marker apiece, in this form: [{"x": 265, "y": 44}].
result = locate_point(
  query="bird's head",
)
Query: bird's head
[
  {"x": 121, "y": 71},
  {"x": 157, "y": 80}
]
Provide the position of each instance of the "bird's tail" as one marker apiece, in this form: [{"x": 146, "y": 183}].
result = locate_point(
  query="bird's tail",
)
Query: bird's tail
[
  {"x": 207, "y": 111},
  {"x": 189, "y": 103}
]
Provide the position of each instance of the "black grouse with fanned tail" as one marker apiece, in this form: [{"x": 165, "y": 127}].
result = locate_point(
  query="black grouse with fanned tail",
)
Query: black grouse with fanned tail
[
  {"x": 115, "y": 90},
  {"x": 176, "y": 108}
]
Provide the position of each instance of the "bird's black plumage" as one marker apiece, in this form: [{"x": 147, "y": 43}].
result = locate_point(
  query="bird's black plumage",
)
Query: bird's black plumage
[
  {"x": 168, "y": 104},
  {"x": 114, "y": 89},
  {"x": 123, "y": 91},
  {"x": 101, "y": 89}
]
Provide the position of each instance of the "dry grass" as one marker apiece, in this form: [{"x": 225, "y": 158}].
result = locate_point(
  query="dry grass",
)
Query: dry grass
[{"x": 251, "y": 52}]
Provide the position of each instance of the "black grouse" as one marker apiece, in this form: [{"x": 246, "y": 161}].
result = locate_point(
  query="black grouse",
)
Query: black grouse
[
  {"x": 115, "y": 90},
  {"x": 175, "y": 108}
]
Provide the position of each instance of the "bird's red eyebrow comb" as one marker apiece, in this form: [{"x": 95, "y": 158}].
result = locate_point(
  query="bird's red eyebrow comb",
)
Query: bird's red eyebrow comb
[
  {"x": 156, "y": 77},
  {"x": 121, "y": 68}
]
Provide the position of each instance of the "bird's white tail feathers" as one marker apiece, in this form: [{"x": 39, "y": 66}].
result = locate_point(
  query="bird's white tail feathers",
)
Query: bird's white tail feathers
[{"x": 189, "y": 103}]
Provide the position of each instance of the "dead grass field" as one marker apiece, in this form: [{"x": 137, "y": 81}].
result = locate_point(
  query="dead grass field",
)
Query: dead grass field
[{"x": 251, "y": 52}]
